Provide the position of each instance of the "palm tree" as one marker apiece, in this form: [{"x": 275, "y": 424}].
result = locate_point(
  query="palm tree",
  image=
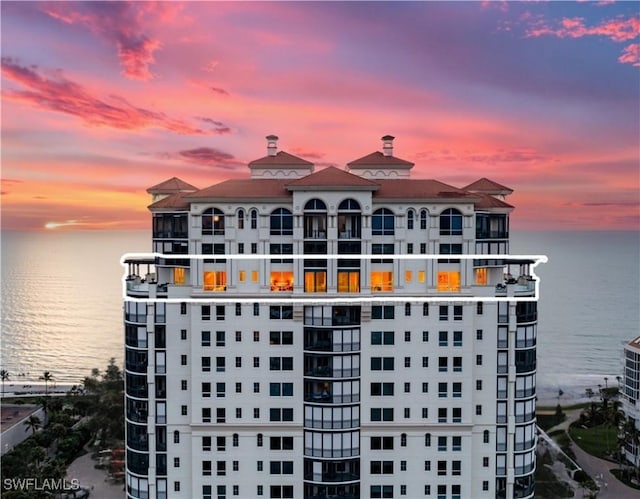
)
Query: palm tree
[
  {"x": 33, "y": 423},
  {"x": 46, "y": 377},
  {"x": 5, "y": 377}
]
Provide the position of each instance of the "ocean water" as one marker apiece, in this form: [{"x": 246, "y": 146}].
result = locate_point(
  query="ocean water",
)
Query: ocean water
[{"x": 62, "y": 304}]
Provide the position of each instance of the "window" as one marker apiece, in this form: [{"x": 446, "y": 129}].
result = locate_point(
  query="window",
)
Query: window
[
  {"x": 348, "y": 281},
  {"x": 427, "y": 440},
  {"x": 256, "y": 309},
  {"x": 485, "y": 462},
  {"x": 381, "y": 467},
  {"x": 456, "y": 415},
  {"x": 425, "y": 387},
  {"x": 236, "y": 465},
  {"x": 183, "y": 384},
  {"x": 457, "y": 338},
  {"x": 206, "y": 444},
  {"x": 442, "y": 389},
  {"x": 403, "y": 466},
  {"x": 281, "y": 389},
  {"x": 240, "y": 248},
  {"x": 478, "y": 334},
  {"x": 442, "y": 468},
  {"x": 183, "y": 334},
  {"x": 382, "y": 222},
  {"x": 281, "y": 222},
  {"x": 183, "y": 308},
  {"x": 403, "y": 440},
  {"x": 238, "y": 361},
  {"x": 442, "y": 415},
  {"x": 280, "y": 414},
  {"x": 281, "y": 443},
  {"x": 425, "y": 336},
  {"x": 456, "y": 389},
  {"x": 457, "y": 312},
  {"x": 456, "y": 443},
  {"x": 176, "y": 437},
  {"x": 206, "y": 415},
  {"x": 481, "y": 280},
  {"x": 220, "y": 364},
  {"x": 220, "y": 389},
  {"x": 427, "y": 488},
  {"x": 221, "y": 415},
  {"x": 220, "y": 338},
  {"x": 220, "y": 311},
  {"x": 427, "y": 465},
  {"x": 254, "y": 248},
  {"x": 409, "y": 248},
  {"x": 281, "y": 363},
  {"x": 444, "y": 312},
  {"x": 215, "y": 280},
  {"x": 407, "y": 309},
  {"x": 176, "y": 486},
  {"x": 423, "y": 219},
  {"x": 425, "y": 412},
  {"x": 256, "y": 387},
  {"x": 425, "y": 361},
  {"x": 281, "y": 281},
  {"x": 205, "y": 312},
  {"x": 478, "y": 384},
  {"x": 281, "y": 337},
  {"x": 256, "y": 413},
  {"x": 407, "y": 387},
  {"x": 485, "y": 436},
  {"x": 450, "y": 249},
  {"x": 381, "y": 389},
  {"x": 259, "y": 489},
  {"x": 410, "y": 219},
  {"x": 382, "y": 337},
  {"x": 443, "y": 338},
  {"x": 423, "y": 248},
  {"x": 238, "y": 335},
  {"x": 457, "y": 364},
  {"x": 443, "y": 364},
  {"x": 238, "y": 387},
  {"x": 315, "y": 281},
  {"x": 382, "y": 312},
  {"x": 240, "y": 218},
  {"x": 407, "y": 362},
  {"x": 448, "y": 281},
  {"x": 256, "y": 362},
  {"x": 206, "y": 364},
  {"x": 478, "y": 360},
  {"x": 442, "y": 444},
  {"x": 280, "y": 312},
  {"x": 407, "y": 336},
  {"x": 381, "y": 280},
  {"x": 451, "y": 223},
  {"x": 378, "y": 443},
  {"x": 382, "y": 363},
  {"x": 253, "y": 214},
  {"x": 485, "y": 485},
  {"x": 381, "y": 414}
]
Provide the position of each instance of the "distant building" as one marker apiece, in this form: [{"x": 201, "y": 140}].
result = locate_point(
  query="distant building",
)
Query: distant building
[
  {"x": 631, "y": 395},
  {"x": 367, "y": 375}
]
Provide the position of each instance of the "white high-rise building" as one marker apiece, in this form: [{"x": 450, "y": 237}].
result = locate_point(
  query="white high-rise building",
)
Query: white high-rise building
[
  {"x": 299, "y": 339},
  {"x": 631, "y": 396}
]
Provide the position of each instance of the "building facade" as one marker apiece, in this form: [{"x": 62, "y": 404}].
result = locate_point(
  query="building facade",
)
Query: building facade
[
  {"x": 327, "y": 334},
  {"x": 631, "y": 399}
]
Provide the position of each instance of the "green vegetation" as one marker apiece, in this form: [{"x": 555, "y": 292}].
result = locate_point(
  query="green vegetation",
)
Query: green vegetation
[
  {"x": 95, "y": 409},
  {"x": 546, "y": 421},
  {"x": 600, "y": 441},
  {"x": 628, "y": 477}
]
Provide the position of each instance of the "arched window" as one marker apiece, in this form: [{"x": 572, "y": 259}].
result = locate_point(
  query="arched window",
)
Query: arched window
[
  {"x": 315, "y": 219},
  {"x": 349, "y": 205},
  {"x": 382, "y": 222},
  {"x": 410, "y": 218},
  {"x": 254, "y": 219},
  {"x": 259, "y": 440},
  {"x": 403, "y": 440},
  {"x": 176, "y": 437},
  {"x": 451, "y": 223},
  {"x": 213, "y": 222},
  {"x": 315, "y": 205},
  {"x": 281, "y": 222},
  {"x": 236, "y": 440},
  {"x": 240, "y": 219},
  {"x": 423, "y": 219},
  {"x": 427, "y": 439},
  {"x": 349, "y": 219}
]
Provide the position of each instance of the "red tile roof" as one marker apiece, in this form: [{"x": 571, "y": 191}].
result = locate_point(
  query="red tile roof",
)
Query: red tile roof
[
  {"x": 280, "y": 159},
  {"x": 380, "y": 160},
  {"x": 487, "y": 201},
  {"x": 173, "y": 201},
  {"x": 422, "y": 189},
  {"x": 244, "y": 189},
  {"x": 170, "y": 186},
  {"x": 333, "y": 177},
  {"x": 488, "y": 186}
]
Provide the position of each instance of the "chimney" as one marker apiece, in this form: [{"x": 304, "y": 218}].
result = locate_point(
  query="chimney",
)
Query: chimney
[
  {"x": 387, "y": 145},
  {"x": 272, "y": 145}
]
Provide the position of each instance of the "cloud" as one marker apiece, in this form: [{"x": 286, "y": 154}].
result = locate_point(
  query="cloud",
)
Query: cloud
[
  {"x": 513, "y": 155},
  {"x": 299, "y": 151},
  {"x": 631, "y": 55},
  {"x": 207, "y": 156},
  {"x": 220, "y": 91},
  {"x": 120, "y": 23},
  {"x": 617, "y": 30},
  {"x": 219, "y": 127},
  {"x": 56, "y": 93},
  {"x": 614, "y": 203}
]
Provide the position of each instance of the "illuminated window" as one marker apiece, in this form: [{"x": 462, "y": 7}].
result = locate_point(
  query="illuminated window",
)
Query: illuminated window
[
  {"x": 382, "y": 281},
  {"x": 215, "y": 280},
  {"x": 281, "y": 281},
  {"x": 348, "y": 282},
  {"x": 449, "y": 281},
  {"x": 178, "y": 275},
  {"x": 315, "y": 282},
  {"x": 242, "y": 276},
  {"x": 254, "y": 276},
  {"x": 213, "y": 221},
  {"x": 408, "y": 276},
  {"x": 481, "y": 276},
  {"x": 421, "y": 276}
]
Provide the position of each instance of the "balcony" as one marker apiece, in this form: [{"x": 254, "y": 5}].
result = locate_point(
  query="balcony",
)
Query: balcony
[
  {"x": 349, "y": 234},
  {"x": 328, "y": 372}
]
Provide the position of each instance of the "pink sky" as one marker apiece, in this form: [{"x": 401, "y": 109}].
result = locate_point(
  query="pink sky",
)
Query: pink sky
[{"x": 102, "y": 100}]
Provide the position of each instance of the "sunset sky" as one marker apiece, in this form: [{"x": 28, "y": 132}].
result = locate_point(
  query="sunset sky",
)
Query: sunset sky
[{"x": 102, "y": 100}]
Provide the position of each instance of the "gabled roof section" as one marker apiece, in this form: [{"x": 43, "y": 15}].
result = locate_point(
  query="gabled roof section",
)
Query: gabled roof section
[
  {"x": 170, "y": 186},
  {"x": 380, "y": 160},
  {"x": 242, "y": 189},
  {"x": 422, "y": 189},
  {"x": 635, "y": 343},
  {"x": 487, "y": 201},
  {"x": 488, "y": 187},
  {"x": 174, "y": 201},
  {"x": 332, "y": 178},
  {"x": 280, "y": 159}
]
